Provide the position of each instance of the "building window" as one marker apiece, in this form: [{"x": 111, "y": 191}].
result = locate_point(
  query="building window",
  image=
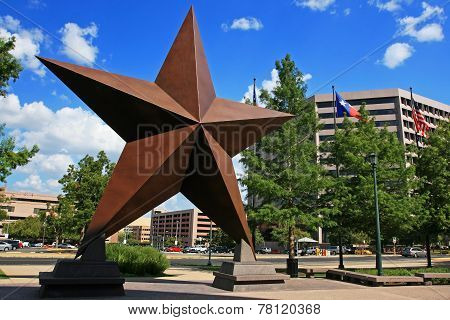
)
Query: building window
[
  {"x": 326, "y": 137},
  {"x": 39, "y": 210},
  {"x": 387, "y": 123},
  {"x": 7, "y": 208}
]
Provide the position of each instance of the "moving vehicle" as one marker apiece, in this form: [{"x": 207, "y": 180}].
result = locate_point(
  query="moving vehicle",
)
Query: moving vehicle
[
  {"x": 414, "y": 252},
  {"x": 264, "y": 250},
  {"x": 5, "y": 246},
  {"x": 173, "y": 249}
]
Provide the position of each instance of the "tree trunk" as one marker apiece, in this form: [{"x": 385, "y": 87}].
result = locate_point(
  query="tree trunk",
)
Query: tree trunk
[
  {"x": 291, "y": 242},
  {"x": 427, "y": 244}
]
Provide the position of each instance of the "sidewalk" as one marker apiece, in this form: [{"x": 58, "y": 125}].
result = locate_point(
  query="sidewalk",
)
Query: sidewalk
[{"x": 185, "y": 283}]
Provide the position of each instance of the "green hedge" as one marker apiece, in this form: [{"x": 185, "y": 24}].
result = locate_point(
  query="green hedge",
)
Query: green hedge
[{"x": 135, "y": 260}]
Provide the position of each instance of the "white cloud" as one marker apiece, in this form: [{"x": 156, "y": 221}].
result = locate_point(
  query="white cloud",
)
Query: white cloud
[
  {"x": 64, "y": 136},
  {"x": 78, "y": 44},
  {"x": 396, "y": 54},
  {"x": 391, "y": 6},
  {"x": 32, "y": 183},
  {"x": 412, "y": 26},
  {"x": 55, "y": 164},
  {"x": 307, "y": 76},
  {"x": 245, "y": 24},
  {"x": 56, "y": 131},
  {"x": 316, "y": 5},
  {"x": 268, "y": 85},
  {"x": 347, "y": 11},
  {"x": 27, "y": 45}
]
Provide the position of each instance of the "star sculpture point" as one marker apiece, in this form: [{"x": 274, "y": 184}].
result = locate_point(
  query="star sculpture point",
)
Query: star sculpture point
[{"x": 179, "y": 137}]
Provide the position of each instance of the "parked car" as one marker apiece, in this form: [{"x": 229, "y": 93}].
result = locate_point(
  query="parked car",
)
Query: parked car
[
  {"x": 311, "y": 250},
  {"x": 195, "y": 249},
  {"x": 286, "y": 251},
  {"x": 334, "y": 250},
  {"x": 66, "y": 246},
  {"x": 16, "y": 244},
  {"x": 173, "y": 249},
  {"x": 414, "y": 252},
  {"x": 37, "y": 245},
  {"x": 26, "y": 244},
  {"x": 264, "y": 250},
  {"x": 4, "y": 246},
  {"x": 221, "y": 249}
]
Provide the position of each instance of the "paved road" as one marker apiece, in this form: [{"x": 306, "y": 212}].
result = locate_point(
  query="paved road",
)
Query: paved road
[{"x": 197, "y": 259}]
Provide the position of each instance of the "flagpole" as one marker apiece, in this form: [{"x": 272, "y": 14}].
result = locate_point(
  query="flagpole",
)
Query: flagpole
[
  {"x": 335, "y": 129},
  {"x": 251, "y": 196},
  {"x": 413, "y": 109},
  {"x": 336, "y": 162}
]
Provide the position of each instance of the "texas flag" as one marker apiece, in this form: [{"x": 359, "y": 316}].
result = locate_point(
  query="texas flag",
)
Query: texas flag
[{"x": 343, "y": 107}]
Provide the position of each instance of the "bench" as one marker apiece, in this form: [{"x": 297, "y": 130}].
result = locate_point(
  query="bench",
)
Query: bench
[
  {"x": 311, "y": 272},
  {"x": 372, "y": 280},
  {"x": 428, "y": 277}
]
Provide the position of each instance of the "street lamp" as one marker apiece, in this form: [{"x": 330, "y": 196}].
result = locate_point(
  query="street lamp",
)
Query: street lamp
[{"x": 373, "y": 160}]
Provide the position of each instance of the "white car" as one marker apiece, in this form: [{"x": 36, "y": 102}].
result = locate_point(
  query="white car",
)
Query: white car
[
  {"x": 5, "y": 246},
  {"x": 25, "y": 244},
  {"x": 264, "y": 250},
  {"x": 199, "y": 249}
]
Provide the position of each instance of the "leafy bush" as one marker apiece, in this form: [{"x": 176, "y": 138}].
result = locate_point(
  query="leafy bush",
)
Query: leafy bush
[{"x": 138, "y": 261}]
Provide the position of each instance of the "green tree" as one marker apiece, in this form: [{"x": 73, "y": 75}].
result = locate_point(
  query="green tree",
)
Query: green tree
[
  {"x": 10, "y": 67},
  {"x": 83, "y": 186},
  {"x": 350, "y": 198},
  {"x": 10, "y": 156},
  {"x": 283, "y": 172},
  {"x": 220, "y": 238},
  {"x": 433, "y": 169},
  {"x": 30, "y": 228}
]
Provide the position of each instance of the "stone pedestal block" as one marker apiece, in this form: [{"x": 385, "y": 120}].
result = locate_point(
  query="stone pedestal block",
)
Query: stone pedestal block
[
  {"x": 244, "y": 273},
  {"x": 86, "y": 277}
]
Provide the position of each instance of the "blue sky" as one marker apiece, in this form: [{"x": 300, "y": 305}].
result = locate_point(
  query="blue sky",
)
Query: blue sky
[{"x": 399, "y": 43}]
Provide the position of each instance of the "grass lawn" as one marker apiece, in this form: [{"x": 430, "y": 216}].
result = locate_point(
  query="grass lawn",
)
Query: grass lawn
[
  {"x": 409, "y": 272},
  {"x": 3, "y": 275}
]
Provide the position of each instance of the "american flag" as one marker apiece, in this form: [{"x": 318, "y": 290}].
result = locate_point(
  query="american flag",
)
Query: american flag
[{"x": 419, "y": 121}]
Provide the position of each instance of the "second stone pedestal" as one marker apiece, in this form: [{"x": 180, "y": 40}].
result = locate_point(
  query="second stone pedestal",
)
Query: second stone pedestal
[{"x": 244, "y": 273}]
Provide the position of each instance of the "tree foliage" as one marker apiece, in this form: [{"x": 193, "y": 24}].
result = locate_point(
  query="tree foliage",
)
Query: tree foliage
[
  {"x": 433, "y": 169},
  {"x": 82, "y": 187},
  {"x": 9, "y": 66},
  {"x": 10, "y": 156},
  {"x": 283, "y": 172},
  {"x": 30, "y": 228},
  {"x": 349, "y": 198}
]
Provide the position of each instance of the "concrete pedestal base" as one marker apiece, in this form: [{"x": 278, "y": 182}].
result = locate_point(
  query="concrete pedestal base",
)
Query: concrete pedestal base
[
  {"x": 78, "y": 278},
  {"x": 247, "y": 274}
]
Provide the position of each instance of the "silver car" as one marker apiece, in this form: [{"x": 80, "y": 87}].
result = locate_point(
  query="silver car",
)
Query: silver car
[
  {"x": 414, "y": 252},
  {"x": 5, "y": 246}
]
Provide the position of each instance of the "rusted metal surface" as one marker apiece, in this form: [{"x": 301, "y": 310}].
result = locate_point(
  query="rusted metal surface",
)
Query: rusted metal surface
[{"x": 179, "y": 137}]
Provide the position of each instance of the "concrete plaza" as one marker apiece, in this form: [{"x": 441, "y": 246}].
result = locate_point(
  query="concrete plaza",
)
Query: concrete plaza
[{"x": 190, "y": 283}]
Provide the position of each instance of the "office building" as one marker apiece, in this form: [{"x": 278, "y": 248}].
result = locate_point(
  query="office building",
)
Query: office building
[{"x": 189, "y": 227}]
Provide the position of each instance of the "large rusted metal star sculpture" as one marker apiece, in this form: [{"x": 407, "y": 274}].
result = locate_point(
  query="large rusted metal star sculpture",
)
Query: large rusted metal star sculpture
[{"x": 179, "y": 137}]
